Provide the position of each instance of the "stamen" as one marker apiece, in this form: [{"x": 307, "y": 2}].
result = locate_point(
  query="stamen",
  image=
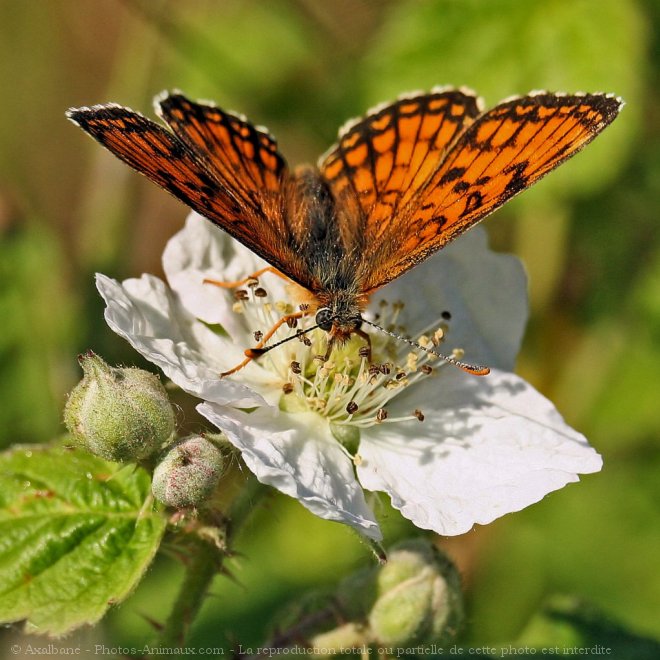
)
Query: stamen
[{"x": 347, "y": 388}]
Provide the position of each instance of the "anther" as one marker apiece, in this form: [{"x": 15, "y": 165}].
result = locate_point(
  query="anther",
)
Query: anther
[
  {"x": 385, "y": 368},
  {"x": 287, "y": 388},
  {"x": 295, "y": 367},
  {"x": 291, "y": 321},
  {"x": 351, "y": 407},
  {"x": 260, "y": 292},
  {"x": 258, "y": 335},
  {"x": 446, "y": 315},
  {"x": 381, "y": 415},
  {"x": 426, "y": 369},
  {"x": 419, "y": 414},
  {"x": 303, "y": 307},
  {"x": 364, "y": 352},
  {"x": 252, "y": 282},
  {"x": 401, "y": 375},
  {"x": 241, "y": 294}
]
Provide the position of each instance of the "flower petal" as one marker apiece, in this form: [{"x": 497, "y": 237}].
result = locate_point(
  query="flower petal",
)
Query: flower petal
[
  {"x": 489, "y": 446},
  {"x": 148, "y": 316},
  {"x": 200, "y": 251},
  {"x": 485, "y": 292},
  {"x": 297, "y": 455}
]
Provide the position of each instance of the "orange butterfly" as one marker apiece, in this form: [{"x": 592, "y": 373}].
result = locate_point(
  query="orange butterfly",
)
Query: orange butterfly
[{"x": 400, "y": 183}]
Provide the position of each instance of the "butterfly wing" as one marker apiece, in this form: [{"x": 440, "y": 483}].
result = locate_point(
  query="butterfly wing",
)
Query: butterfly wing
[
  {"x": 379, "y": 161},
  {"x": 218, "y": 164},
  {"x": 491, "y": 159}
]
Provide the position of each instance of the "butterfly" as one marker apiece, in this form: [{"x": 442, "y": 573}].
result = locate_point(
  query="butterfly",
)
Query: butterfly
[{"x": 399, "y": 184}]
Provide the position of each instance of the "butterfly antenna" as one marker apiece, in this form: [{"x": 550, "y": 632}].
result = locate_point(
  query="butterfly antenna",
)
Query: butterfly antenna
[
  {"x": 474, "y": 369},
  {"x": 258, "y": 352}
]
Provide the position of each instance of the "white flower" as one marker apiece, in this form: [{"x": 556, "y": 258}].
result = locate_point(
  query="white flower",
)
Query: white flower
[{"x": 449, "y": 448}]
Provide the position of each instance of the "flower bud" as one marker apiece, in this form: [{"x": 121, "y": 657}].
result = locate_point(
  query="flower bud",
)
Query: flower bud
[
  {"x": 345, "y": 637},
  {"x": 419, "y": 599},
  {"x": 188, "y": 472},
  {"x": 120, "y": 414}
]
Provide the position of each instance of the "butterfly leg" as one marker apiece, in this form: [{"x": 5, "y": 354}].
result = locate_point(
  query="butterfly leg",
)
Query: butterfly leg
[
  {"x": 258, "y": 350},
  {"x": 331, "y": 343},
  {"x": 365, "y": 335},
  {"x": 254, "y": 276}
]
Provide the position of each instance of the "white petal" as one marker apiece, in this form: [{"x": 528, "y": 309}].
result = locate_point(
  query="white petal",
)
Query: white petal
[
  {"x": 485, "y": 292},
  {"x": 201, "y": 250},
  {"x": 490, "y": 446},
  {"x": 148, "y": 316},
  {"x": 297, "y": 455}
]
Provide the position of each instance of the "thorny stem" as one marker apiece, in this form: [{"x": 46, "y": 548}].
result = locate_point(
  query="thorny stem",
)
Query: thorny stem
[{"x": 204, "y": 562}]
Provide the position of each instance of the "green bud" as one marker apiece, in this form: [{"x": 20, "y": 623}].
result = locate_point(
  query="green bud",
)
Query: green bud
[
  {"x": 419, "y": 599},
  {"x": 351, "y": 636},
  {"x": 120, "y": 414},
  {"x": 188, "y": 472}
]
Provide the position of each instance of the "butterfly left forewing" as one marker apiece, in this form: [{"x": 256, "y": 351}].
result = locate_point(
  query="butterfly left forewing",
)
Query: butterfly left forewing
[
  {"x": 505, "y": 151},
  {"x": 246, "y": 157},
  {"x": 241, "y": 189}
]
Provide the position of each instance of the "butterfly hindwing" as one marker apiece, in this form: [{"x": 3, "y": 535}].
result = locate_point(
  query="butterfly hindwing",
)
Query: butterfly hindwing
[{"x": 381, "y": 159}]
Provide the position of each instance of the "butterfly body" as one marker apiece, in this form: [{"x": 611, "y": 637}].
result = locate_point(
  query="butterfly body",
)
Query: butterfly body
[
  {"x": 331, "y": 261},
  {"x": 399, "y": 184}
]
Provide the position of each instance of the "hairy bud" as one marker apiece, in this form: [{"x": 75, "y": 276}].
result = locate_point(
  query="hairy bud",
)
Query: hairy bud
[
  {"x": 188, "y": 472},
  {"x": 419, "y": 600},
  {"x": 120, "y": 414}
]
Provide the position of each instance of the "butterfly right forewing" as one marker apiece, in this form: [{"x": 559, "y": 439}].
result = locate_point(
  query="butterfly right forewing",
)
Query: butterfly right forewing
[{"x": 491, "y": 158}]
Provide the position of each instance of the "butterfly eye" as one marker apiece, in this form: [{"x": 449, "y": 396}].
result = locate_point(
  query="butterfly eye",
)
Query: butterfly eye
[{"x": 324, "y": 319}]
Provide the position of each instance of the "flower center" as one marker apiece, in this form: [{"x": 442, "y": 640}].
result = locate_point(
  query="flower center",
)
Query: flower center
[{"x": 351, "y": 386}]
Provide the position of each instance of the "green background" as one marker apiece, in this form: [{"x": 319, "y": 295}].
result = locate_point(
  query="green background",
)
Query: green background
[{"x": 588, "y": 235}]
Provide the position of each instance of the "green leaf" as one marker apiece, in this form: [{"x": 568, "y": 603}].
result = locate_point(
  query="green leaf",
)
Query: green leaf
[{"x": 75, "y": 536}]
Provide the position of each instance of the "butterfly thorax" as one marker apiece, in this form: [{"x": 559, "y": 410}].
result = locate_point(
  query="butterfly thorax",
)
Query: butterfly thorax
[{"x": 315, "y": 224}]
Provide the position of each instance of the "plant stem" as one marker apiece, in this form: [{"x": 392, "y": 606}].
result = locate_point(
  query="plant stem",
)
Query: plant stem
[{"x": 204, "y": 563}]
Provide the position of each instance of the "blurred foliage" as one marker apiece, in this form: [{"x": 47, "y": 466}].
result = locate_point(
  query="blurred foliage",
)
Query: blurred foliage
[{"x": 588, "y": 235}]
